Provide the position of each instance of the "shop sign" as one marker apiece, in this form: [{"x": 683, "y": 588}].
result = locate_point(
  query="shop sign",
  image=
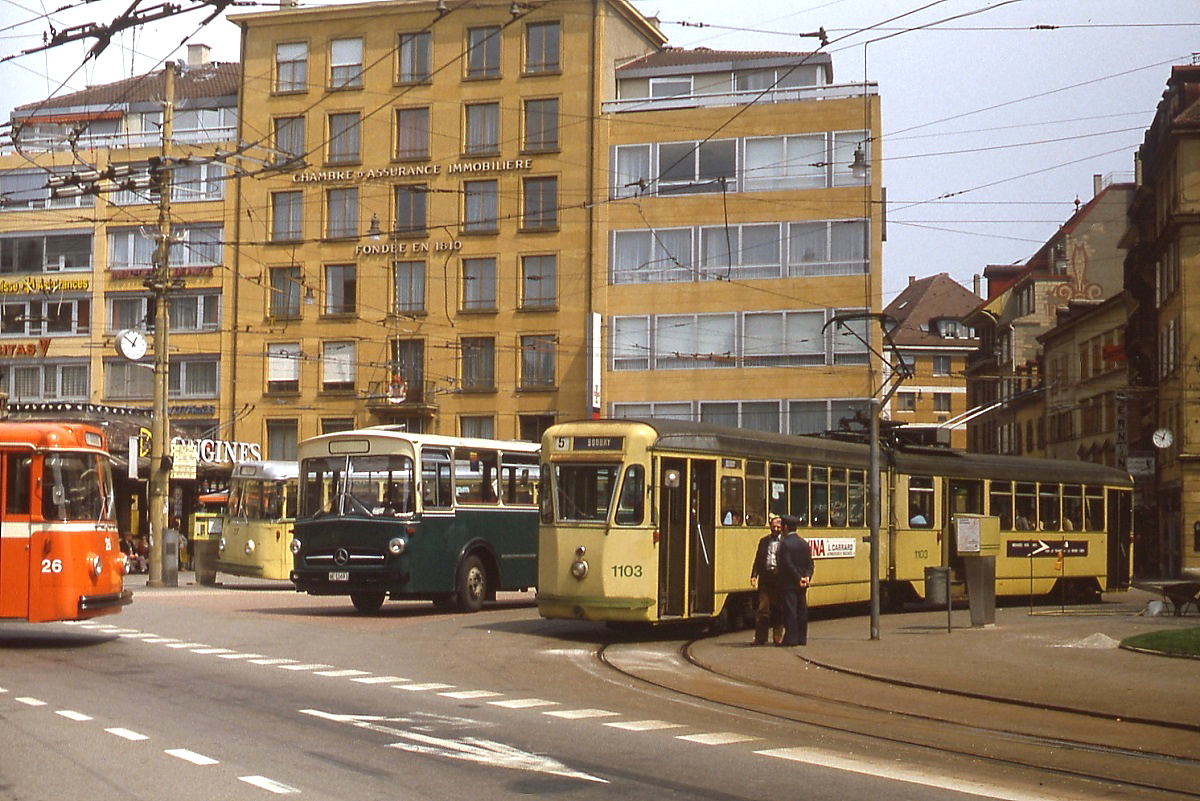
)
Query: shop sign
[
  {"x": 220, "y": 451},
  {"x": 31, "y": 284},
  {"x": 404, "y": 248},
  {"x": 412, "y": 171},
  {"x": 142, "y": 272},
  {"x": 16, "y": 350}
]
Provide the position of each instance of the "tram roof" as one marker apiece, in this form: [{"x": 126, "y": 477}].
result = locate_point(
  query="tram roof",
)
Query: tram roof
[
  {"x": 319, "y": 445},
  {"x": 270, "y": 469},
  {"x": 52, "y": 434},
  {"x": 707, "y": 438}
]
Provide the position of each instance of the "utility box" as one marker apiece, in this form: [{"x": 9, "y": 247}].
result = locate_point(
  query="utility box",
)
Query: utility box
[
  {"x": 977, "y": 539},
  {"x": 170, "y": 557}
]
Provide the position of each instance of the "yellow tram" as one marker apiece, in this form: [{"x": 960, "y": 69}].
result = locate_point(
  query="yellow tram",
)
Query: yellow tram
[{"x": 658, "y": 520}]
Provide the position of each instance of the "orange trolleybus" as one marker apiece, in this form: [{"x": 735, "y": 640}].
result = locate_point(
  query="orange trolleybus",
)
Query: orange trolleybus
[{"x": 59, "y": 554}]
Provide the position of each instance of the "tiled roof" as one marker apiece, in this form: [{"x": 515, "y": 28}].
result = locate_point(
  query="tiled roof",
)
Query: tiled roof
[
  {"x": 214, "y": 80},
  {"x": 938, "y": 297}
]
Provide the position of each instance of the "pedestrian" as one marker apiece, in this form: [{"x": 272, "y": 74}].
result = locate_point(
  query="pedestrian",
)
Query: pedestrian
[
  {"x": 795, "y": 574},
  {"x": 764, "y": 574}
]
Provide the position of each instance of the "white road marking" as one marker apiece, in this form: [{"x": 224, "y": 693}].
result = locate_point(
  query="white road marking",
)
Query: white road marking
[
  {"x": 270, "y": 785},
  {"x": 416, "y": 688},
  {"x": 716, "y": 738},
  {"x": 380, "y": 679},
  {"x": 643, "y": 725},
  {"x": 523, "y": 703},
  {"x": 139, "y": 635},
  {"x": 190, "y": 756},
  {"x": 2, "y": 690},
  {"x": 303, "y": 667},
  {"x": 488, "y": 752},
  {"x": 341, "y": 674},
  {"x": 30, "y": 701},
  {"x": 71, "y": 714},
  {"x": 828, "y": 759},
  {"x": 466, "y": 695},
  {"x": 579, "y": 714},
  {"x": 187, "y": 645},
  {"x": 239, "y": 656},
  {"x": 206, "y": 650},
  {"x": 132, "y": 736},
  {"x": 272, "y": 661}
]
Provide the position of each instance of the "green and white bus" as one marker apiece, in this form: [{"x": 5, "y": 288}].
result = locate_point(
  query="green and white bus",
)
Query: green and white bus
[{"x": 389, "y": 514}]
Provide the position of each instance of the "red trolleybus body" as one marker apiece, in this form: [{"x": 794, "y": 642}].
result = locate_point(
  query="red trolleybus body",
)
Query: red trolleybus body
[{"x": 59, "y": 554}]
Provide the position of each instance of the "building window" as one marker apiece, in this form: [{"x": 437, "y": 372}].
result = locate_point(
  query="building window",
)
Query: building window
[
  {"x": 478, "y": 363},
  {"x": 345, "y": 63},
  {"x": 191, "y": 246},
  {"x": 783, "y": 339},
  {"x": 345, "y": 138},
  {"x": 130, "y": 312},
  {"x": 291, "y": 67},
  {"x": 538, "y": 277},
  {"x": 540, "y": 125},
  {"x": 537, "y": 361},
  {"x": 198, "y": 182},
  {"x": 289, "y": 136},
  {"x": 479, "y": 284},
  {"x": 46, "y": 382},
  {"x": 481, "y": 427},
  {"x": 631, "y": 343},
  {"x": 480, "y": 206},
  {"x": 125, "y": 380},
  {"x": 671, "y": 87},
  {"x": 413, "y": 50},
  {"x": 827, "y": 248},
  {"x": 195, "y": 311},
  {"x": 37, "y": 317},
  {"x": 906, "y": 401},
  {"x": 412, "y": 133},
  {"x": 341, "y": 213},
  {"x": 287, "y": 216},
  {"x": 850, "y": 340},
  {"x": 843, "y": 146},
  {"x": 483, "y": 52},
  {"x": 334, "y": 425},
  {"x": 282, "y": 438},
  {"x": 411, "y": 210},
  {"x": 540, "y": 209},
  {"x": 482, "y": 129},
  {"x": 941, "y": 365},
  {"x": 45, "y": 254},
  {"x": 542, "y": 44},
  {"x": 410, "y": 286},
  {"x": 193, "y": 377},
  {"x": 285, "y": 291},
  {"x": 337, "y": 366},
  {"x": 786, "y": 162},
  {"x": 819, "y": 416},
  {"x": 694, "y": 341},
  {"x": 408, "y": 359},
  {"x": 740, "y": 252},
  {"x": 532, "y": 426},
  {"x": 691, "y": 167},
  {"x": 283, "y": 367},
  {"x": 659, "y": 256},
  {"x": 340, "y": 288},
  {"x": 631, "y": 171},
  {"x": 756, "y": 415}
]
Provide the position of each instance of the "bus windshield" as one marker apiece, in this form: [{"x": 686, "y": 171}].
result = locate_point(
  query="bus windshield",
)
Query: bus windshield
[
  {"x": 584, "y": 492},
  {"x": 359, "y": 486},
  {"x": 76, "y": 486}
]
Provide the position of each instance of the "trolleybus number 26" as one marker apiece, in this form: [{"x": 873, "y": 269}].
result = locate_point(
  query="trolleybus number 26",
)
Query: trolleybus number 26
[{"x": 627, "y": 571}]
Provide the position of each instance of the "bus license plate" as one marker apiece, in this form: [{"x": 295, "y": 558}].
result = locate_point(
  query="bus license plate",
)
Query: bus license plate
[{"x": 339, "y": 575}]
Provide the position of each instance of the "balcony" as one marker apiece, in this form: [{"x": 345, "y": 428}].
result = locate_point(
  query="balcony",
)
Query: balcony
[
  {"x": 383, "y": 397},
  {"x": 840, "y": 91}
]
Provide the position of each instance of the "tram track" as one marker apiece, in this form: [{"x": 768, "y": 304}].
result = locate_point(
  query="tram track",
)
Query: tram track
[{"x": 1124, "y": 759}]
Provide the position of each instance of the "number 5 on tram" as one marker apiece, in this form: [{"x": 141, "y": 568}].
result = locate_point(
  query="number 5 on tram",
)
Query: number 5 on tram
[{"x": 59, "y": 554}]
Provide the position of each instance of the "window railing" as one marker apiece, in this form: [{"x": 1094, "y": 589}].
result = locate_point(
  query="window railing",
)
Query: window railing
[{"x": 742, "y": 98}]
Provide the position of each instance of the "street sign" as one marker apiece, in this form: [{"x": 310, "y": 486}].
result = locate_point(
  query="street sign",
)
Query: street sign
[{"x": 1047, "y": 548}]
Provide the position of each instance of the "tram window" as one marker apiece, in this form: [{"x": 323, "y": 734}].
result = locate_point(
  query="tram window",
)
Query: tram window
[
  {"x": 837, "y": 497},
  {"x": 16, "y": 483},
  {"x": 732, "y": 503},
  {"x": 1049, "y": 507},
  {"x": 820, "y": 496},
  {"x": 856, "y": 502},
  {"x": 1001, "y": 503},
  {"x": 1094, "y": 506},
  {"x": 1025, "y": 501},
  {"x": 756, "y": 493},
  {"x": 545, "y": 507},
  {"x": 435, "y": 479},
  {"x": 966, "y": 497},
  {"x": 272, "y": 501},
  {"x": 71, "y": 488},
  {"x": 475, "y": 475},
  {"x": 519, "y": 478},
  {"x": 920, "y": 501},
  {"x": 777, "y": 490},
  {"x": 289, "y": 502},
  {"x": 234, "y": 500},
  {"x": 631, "y": 506},
  {"x": 252, "y": 500},
  {"x": 585, "y": 491},
  {"x": 799, "y": 494},
  {"x": 1072, "y": 507}
]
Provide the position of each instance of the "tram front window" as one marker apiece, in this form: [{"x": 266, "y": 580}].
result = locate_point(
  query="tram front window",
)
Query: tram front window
[
  {"x": 584, "y": 492},
  {"x": 76, "y": 487}
]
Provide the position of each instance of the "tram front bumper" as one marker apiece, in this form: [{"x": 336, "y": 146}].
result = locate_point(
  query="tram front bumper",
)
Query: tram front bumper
[{"x": 111, "y": 600}]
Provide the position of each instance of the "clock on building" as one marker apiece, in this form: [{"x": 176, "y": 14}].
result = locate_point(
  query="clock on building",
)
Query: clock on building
[
  {"x": 131, "y": 344},
  {"x": 1162, "y": 438}
]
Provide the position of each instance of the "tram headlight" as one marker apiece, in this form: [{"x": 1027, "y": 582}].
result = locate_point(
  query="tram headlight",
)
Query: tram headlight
[
  {"x": 295, "y": 546},
  {"x": 249, "y": 547},
  {"x": 397, "y": 545},
  {"x": 579, "y": 568},
  {"x": 95, "y": 565}
]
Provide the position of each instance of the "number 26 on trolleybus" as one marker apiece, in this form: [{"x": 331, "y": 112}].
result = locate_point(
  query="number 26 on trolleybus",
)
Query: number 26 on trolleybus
[
  {"x": 385, "y": 513},
  {"x": 255, "y": 528},
  {"x": 59, "y": 554}
]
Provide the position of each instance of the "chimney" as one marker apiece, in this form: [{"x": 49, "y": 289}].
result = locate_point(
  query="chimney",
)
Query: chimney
[
  {"x": 975, "y": 285},
  {"x": 198, "y": 55},
  {"x": 912, "y": 279},
  {"x": 1097, "y": 184}
]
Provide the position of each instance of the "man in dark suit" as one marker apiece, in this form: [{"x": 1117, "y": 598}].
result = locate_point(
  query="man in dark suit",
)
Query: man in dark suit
[
  {"x": 795, "y": 574},
  {"x": 764, "y": 576}
]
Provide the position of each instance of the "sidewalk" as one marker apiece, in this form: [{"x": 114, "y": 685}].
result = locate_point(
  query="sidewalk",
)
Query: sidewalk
[{"x": 1054, "y": 657}]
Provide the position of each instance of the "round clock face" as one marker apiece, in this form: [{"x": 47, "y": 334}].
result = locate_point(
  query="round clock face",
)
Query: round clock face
[
  {"x": 131, "y": 344},
  {"x": 1162, "y": 438}
]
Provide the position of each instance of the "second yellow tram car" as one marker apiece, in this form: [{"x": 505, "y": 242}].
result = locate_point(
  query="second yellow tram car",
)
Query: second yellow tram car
[
  {"x": 658, "y": 520},
  {"x": 255, "y": 530}
]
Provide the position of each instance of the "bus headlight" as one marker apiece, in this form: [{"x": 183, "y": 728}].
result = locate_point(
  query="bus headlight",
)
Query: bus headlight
[
  {"x": 249, "y": 547},
  {"x": 221, "y": 545},
  {"x": 295, "y": 546},
  {"x": 579, "y": 568},
  {"x": 397, "y": 545}
]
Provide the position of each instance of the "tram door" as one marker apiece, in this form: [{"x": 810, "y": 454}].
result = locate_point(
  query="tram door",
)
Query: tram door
[
  {"x": 685, "y": 557},
  {"x": 1120, "y": 539}
]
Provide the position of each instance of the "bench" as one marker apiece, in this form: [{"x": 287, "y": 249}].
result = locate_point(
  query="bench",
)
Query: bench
[{"x": 1180, "y": 595}]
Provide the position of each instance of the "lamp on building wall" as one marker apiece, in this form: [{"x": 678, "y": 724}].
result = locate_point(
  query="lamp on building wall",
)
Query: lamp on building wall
[
  {"x": 310, "y": 297},
  {"x": 859, "y": 167},
  {"x": 441, "y": 7}
]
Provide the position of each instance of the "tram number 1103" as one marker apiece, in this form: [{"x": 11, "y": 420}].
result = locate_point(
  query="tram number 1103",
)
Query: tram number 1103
[{"x": 627, "y": 571}]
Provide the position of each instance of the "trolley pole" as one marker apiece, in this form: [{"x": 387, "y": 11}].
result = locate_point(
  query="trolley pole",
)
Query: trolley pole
[
  {"x": 159, "y": 282},
  {"x": 874, "y": 512}
]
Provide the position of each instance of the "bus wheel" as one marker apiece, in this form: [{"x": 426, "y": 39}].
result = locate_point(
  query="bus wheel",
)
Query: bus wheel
[
  {"x": 472, "y": 584},
  {"x": 367, "y": 602}
]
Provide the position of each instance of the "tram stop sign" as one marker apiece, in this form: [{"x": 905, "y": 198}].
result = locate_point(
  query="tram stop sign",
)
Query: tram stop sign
[{"x": 183, "y": 458}]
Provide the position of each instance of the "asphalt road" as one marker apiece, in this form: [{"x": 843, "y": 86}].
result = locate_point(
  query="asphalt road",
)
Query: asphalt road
[{"x": 242, "y": 692}]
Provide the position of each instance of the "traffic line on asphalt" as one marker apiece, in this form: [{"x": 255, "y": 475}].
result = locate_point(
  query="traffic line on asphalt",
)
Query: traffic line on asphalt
[
  {"x": 207, "y": 651},
  {"x": 71, "y": 714},
  {"x": 341, "y": 673},
  {"x": 127, "y": 734},
  {"x": 274, "y": 660},
  {"x": 580, "y": 714},
  {"x": 191, "y": 756},
  {"x": 717, "y": 738},
  {"x": 310, "y": 666},
  {"x": 523, "y": 703},
  {"x": 239, "y": 656},
  {"x": 270, "y": 785},
  {"x": 186, "y": 645},
  {"x": 893, "y": 772},
  {"x": 416, "y": 688},
  {"x": 644, "y": 725},
  {"x": 467, "y": 695},
  {"x": 380, "y": 679},
  {"x": 30, "y": 701}
]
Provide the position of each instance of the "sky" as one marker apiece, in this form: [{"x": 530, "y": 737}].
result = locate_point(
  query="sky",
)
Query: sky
[{"x": 996, "y": 114}]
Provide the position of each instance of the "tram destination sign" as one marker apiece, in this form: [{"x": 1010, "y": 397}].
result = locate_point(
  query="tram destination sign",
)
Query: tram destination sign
[
  {"x": 598, "y": 443},
  {"x": 1047, "y": 548}
]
